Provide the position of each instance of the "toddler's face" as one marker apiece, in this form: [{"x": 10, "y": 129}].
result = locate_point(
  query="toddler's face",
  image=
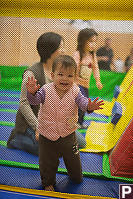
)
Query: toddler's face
[
  {"x": 90, "y": 44},
  {"x": 63, "y": 78}
]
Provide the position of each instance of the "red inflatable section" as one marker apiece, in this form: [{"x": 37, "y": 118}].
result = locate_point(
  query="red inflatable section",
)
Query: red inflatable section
[{"x": 121, "y": 157}]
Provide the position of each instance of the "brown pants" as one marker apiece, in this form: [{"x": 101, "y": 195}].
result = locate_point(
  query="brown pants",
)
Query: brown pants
[{"x": 49, "y": 154}]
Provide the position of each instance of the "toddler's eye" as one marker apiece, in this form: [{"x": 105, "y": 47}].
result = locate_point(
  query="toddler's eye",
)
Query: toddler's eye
[
  {"x": 70, "y": 75},
  {"x": 60, "y": 74}
]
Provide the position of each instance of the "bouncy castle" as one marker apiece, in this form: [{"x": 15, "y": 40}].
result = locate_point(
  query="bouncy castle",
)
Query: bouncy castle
[{"x": 107, "y": 159}]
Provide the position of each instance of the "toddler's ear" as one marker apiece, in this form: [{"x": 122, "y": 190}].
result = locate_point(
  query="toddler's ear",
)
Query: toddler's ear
[{"x": 52, "y": 75}]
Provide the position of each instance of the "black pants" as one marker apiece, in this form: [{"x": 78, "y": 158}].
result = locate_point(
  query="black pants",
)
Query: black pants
[{"x": 49, "y": 154}]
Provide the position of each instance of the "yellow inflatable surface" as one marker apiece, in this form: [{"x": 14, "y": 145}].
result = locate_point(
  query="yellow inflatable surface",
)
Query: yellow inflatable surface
[
  {"x": 70, "y": 9},
  {"x": 107, "y": 110},
  {"x": 102, "y": 137}
]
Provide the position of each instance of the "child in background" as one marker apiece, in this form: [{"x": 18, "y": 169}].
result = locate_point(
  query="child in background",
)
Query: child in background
[
  {"x": 86, "y": 60},
  {"x": 57, "y": 120}
]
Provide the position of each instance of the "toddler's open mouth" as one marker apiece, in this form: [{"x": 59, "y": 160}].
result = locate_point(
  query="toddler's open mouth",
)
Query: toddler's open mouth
[{"x": 64, "y": 83}]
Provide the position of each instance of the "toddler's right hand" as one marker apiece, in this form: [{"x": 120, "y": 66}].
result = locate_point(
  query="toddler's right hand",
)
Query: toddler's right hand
[{"x": 32, "y": 86}]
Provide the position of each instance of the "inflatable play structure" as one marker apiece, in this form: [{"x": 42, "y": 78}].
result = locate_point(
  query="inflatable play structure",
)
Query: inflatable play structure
[
  {"x": 121, "y": 157},
  {"x": 103, "y": 137},
  {"x": 107, "y": 160}
]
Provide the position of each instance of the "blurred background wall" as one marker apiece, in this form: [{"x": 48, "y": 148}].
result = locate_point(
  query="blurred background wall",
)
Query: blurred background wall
[{"x": 18, "y": 38}]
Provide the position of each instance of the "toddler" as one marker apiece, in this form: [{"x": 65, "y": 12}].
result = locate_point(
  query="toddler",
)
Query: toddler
[{"x": 57, "y": 120}]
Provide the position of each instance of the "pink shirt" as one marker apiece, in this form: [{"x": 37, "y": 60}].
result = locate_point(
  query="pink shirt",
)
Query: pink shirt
[{"x": 58, "y": 117}]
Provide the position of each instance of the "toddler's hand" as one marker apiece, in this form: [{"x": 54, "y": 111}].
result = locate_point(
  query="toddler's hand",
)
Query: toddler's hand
[
  {"x": 95, "y": 105},
  {"x": 32, "y": 86}
]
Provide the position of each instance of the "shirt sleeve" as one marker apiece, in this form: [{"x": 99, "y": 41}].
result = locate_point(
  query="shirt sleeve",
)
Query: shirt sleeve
[
  {"x": 38, "y": 98},
  {"x": 82, "y": 102}
]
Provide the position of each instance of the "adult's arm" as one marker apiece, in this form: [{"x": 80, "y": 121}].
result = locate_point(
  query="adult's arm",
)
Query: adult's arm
[{"x": 25, "y": 107}]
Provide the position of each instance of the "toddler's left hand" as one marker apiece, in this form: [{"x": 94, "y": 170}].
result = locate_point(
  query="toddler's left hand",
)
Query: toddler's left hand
[{"x": 95, "y": 105}]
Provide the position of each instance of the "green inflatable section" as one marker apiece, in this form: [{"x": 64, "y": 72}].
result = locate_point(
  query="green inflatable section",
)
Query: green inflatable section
[
  {"x": 109, "y": 80},
  {"x": 11, "y": 79},
  {"x": 97, "y": 119}
]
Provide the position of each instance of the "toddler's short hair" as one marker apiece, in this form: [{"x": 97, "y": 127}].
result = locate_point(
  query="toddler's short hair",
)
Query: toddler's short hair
[{"x": 66, "y": 61}]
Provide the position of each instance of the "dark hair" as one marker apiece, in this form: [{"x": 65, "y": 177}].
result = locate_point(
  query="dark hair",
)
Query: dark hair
[
  {"x": 83, "y": 36},
  {"x": 47, "y": 44},
  {"x": 66, "y": 61}
]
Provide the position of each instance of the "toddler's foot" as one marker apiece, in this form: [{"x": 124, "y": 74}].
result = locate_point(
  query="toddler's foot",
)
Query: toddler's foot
[{"x": 49, "y": 188}]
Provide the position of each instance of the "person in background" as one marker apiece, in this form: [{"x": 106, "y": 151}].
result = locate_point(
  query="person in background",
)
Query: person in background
[
  {"x": 119, "y": 65},
  {"x": 49, "y": 46},
  {"x": 105, "y": 55},
  {"x": 85, "y": 57},
  {"x": 57, "y": 120},
  {"x": 129, "y": 61}
]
